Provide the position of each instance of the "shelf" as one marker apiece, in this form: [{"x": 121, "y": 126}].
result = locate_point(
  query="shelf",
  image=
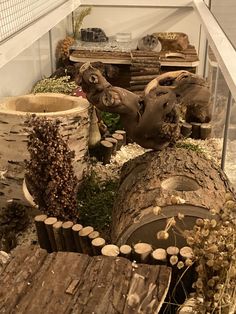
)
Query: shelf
[{"x": 24, "y": 38}]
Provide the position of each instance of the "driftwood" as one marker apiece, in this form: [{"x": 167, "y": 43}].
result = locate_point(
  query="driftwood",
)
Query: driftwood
[
  {"x": 154, "y": 125},
  {"x": 190, "y": 89},
  {"x": 37, "y": 282}
]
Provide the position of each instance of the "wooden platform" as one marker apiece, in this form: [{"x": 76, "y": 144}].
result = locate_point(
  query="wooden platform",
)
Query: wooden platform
[
  {"x": 186, "y": 58},
  {"x": 37, "y": 282}
]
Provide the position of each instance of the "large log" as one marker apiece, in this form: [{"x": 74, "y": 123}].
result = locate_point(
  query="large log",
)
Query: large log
[
  {"x": 174, "y": 180},
  {"x": 66, "y": 282}
]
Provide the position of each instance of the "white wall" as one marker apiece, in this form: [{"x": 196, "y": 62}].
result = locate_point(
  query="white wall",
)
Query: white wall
[
  {"x": 141, "y": 21},
  {"x": 19, "y": 75}
]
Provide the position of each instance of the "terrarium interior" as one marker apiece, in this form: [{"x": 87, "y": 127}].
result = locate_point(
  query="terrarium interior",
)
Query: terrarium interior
[{"x": 147, "y": 129}]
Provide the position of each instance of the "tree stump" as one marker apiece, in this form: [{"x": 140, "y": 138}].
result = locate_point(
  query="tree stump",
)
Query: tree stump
[
  {"x": 175, "y": 180},
  {"x": 74, "y": 114}
]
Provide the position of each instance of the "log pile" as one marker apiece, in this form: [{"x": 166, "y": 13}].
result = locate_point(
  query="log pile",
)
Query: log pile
[
  {"x": 65, "y": 282},
  {"x": 145, "y": 66}
]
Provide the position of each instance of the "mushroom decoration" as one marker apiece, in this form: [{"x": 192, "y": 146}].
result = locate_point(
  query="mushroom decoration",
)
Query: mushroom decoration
[{"x": 152, "y": 122}]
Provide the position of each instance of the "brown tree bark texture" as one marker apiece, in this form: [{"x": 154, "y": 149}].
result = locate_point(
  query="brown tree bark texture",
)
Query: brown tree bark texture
[
  {"x": 66, "y": 282},
  {"x": 153, "y": 178}
]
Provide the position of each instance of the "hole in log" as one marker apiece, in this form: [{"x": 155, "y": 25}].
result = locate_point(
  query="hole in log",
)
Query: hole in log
[{"x": 180, "y": 183}]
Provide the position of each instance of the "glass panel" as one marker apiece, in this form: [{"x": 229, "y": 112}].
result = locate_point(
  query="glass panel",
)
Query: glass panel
[
  {"x": 224, "y": 12},
  {"x": 230, "y": 161}
]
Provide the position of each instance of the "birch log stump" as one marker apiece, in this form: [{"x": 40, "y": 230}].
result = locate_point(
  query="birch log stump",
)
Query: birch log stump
[
  {"x": 74, "y": 115},
  {"x": 159, "y": 185}
]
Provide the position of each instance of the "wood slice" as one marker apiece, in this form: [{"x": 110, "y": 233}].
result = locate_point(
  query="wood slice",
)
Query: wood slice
[
  {"x": 159, "y": 257},
  {"x": 205, "y": 131},
  {"x": 49, "y": 222},
  {"x": 186, "y": 129},
  {"x": 110, "y": 250},
  {"x": 114, "y": 143},
  {"x": 93, "y": 235},
  {"x": 75, "y": 230},
  {"x": 58, "y": 236},
  {"x": 196, "y": 128},
  {"x": 142, "y": 252},
  {"x": 143, "y": 78},
  {"x": 97, "y": 245},
  {"x": 126, "y": 251},
  {"x": 186, "y": 252},
  {"x": 119, "y": 138},
  {"x": 42, "y": 234},
  {"x": 68, "y": 236},
  {"x": 106, "y": 148},
  {"x": 85, "y": 242},
  {"x": 123, "y": 133}
]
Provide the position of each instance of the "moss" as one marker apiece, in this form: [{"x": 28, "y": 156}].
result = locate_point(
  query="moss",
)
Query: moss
[
  {"x": 55, "y": 85},
  {"x": 95, "y": 202},
  {"x": 112, "y": 121},
  {"x": 190, "y": 146}
]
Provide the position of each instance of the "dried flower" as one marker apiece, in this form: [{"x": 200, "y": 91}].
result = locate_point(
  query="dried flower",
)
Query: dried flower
[
  {"x": 156, "y": 210},
  {"x": 162, "y": 235}
]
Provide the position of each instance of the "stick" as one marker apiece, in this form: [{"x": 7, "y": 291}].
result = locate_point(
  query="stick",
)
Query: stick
[
  {"x": 195, "y": 130},
  {"x": 106, "y": 148},
  {"x": 137, "y": 88},
  {"x": 110, "y": 250},
  {"x": 93, "y": 235},
  {"x": 49, "y": 222},
  {"x": 205, "y": 131},
  {"x": 58, "y": 236},
  {"x": 142, "y": 252},
  {"x": 125, "y": 251},
  {"x": 123, "y": 133},
  {"x": 68, "y": 236},
  {"x": 119, "y": 139},
  {"x": 85, "y": 242},
  {"x": 159, "y": 256},
  {"x": 114, "y": 143},
  {"x": 186, "y": 129},
  {"x": 75, "y": 230},
  {"x": 97, "y": 245},
  {"x": 43, "y": 238},
  {"x": 143, "y": 78}
]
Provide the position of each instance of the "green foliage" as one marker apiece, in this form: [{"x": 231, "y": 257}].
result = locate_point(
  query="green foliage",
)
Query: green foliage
[
  {"x": 190, "y": 146},
  {"x": 95, "y": 202},
  {"x": 55, "y": 85},
  {"x": 78, "y": 21},
  {"x": 112, "y": 120}
]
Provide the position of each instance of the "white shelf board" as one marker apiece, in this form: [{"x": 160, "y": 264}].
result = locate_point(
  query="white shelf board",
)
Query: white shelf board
[
  {"x": 12, "y": 47},
  {"x": 139, "y": 3}
]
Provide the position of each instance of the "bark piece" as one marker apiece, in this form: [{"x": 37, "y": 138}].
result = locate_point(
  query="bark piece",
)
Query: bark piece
[
  {"x": 68, "y": 236},
  {"x": 85, "y": 242},
  {"x": 106, "y": 148},
  {"x": 42, "y": 234},
  {"x": 58, "y": 236},
  {"x": 97, "y": 245},
  {"x": 75, "y": 230},
  {"x": 49, "y": 222},
  {"x": 110, "y": 250}
]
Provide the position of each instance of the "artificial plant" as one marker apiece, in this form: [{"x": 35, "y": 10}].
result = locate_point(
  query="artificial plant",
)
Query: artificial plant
[{"x": 49, "y": 172}]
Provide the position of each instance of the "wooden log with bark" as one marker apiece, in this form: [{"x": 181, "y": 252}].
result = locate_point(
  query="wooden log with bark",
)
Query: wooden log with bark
[
  {"x": 66, "y": 282},
  {"x": 176, "y": 180}
]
